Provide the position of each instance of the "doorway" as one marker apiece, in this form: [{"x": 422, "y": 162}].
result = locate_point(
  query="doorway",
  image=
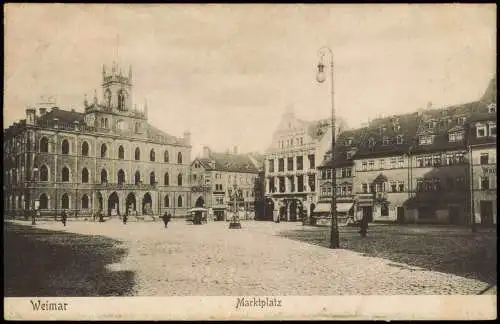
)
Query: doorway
[
  {"x": 368, "y": 213},
  {"x": 130, "y": 204},
  {"x": 147, "y": 204},
  {"x": 113, "y": 204},
  {"x": 486, "y": 209},
  {"x": 400, "y": 215}
]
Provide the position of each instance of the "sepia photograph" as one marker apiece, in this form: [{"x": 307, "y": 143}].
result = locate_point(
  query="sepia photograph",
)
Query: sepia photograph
[{"x": 250, "y": 161}]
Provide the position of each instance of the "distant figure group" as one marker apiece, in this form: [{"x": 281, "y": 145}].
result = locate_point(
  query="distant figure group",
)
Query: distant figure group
[{"x": 64, "y": 217}]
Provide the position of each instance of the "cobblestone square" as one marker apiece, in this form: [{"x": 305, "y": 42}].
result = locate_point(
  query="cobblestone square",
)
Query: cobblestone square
[{"x": 262, "y": 258}]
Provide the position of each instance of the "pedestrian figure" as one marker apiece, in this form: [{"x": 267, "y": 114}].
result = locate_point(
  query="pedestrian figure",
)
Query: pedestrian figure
[
  {"x": 363, "y": 226},
  {"x": 64, "y": 217},
  {"x": 125, "y": 219},
  {"x": 166, "y": 218},
  {"x": 33, "y": 217},
  {"x": 101, "y": 216}
]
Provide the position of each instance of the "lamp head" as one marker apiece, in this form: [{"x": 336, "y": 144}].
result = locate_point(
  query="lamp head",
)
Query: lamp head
[{"x": 320, "y": 76}]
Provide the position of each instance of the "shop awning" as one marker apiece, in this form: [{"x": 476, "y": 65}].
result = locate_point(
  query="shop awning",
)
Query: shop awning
[
  {"x": 344, "y": 207},
  {"x": 326, "y": 207}
]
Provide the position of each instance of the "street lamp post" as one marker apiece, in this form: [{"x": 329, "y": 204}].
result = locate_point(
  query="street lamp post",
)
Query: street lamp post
[
  {"x": 235, "y": 221},
  {"x": 321, "y": 77}
]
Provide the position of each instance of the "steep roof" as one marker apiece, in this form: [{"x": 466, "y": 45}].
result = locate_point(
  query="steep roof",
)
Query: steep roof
[
  {"x": 228, "y": 162},
  {"x": 63, "y": 117}
]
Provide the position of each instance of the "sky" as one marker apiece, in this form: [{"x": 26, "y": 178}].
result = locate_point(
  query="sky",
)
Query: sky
[{"x": 227, "y": 73}]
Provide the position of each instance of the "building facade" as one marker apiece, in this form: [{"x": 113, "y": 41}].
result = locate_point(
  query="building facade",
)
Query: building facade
[
  {"x": 431, "y": 166},
  {"x": 215, "y": 176},
  {"x": 483, "y": 153},
  {"x": 345, "y": 149},
  {"x": 108, "y": 158},
  {"x": 290, "y": 166}
]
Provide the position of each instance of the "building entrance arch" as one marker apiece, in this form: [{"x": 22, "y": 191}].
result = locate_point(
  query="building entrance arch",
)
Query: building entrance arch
[
  {"x": 113, "y": 204},
  {"x": 200, "y": 202},
  {"x": 147, "y": 204},
  {"x": 130, "y": 204}
]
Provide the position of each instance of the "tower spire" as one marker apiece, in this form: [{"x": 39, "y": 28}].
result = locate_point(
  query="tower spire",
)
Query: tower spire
[{"x": 85, "y": 102}]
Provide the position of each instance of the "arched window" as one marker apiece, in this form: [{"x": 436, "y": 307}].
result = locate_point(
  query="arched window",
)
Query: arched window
[
  {"x": 85, "y": 202},
  {"x": 167, "y": 201},
  {"x": 137, "y": 177},
  {"x": 122, "y": 95},
  {"x": 166, "y": 179},
  {"x": 152, "y": 178},
  {"x": 65, "y": 175},
  {"x": 179, "y": 201},
  {"x": 65, "y": 147},
  {"x": 152, "y": 155},
  {"x": 179, "y": 158},
  {"x": 104, "y": 176},
  {"x": 104, "y": 150},
  {"x": 105, "y": 123},
  {"x": 179, "y": 179},
  {"x": 44, "y": 173},
  {"x": 121, "y": 177},
  {"x": 85, "y": 149},
  {"x": 65, "y": 201},
  {"x": 165, "y": 157},
  {"x": 44, "y": 201},
  {"x": 85, "y": 175},
  {"x": 44, "y": 145},
  {"x": 137, "y": 154},
  {"x": 121, "y": 153}
]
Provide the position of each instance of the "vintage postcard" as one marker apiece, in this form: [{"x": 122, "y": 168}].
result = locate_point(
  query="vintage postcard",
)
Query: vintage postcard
[{"x": 250, "y": 161}]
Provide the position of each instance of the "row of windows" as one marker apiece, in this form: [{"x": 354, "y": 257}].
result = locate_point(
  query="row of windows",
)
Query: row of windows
[
  {"x": 392, "y": 186},
  {"x": 65, "y": 149},
  {"x": 65, "y": 176},
  {"x": 341, "y": 173},
  {"x": 291, "y": 142},
  {"x": 483, "y": 130},
  {"x": 85, "y": 201},
  {"x": 299, "y": 163},
  {"x": 341, "y": 191},
  {"x": 301, "y": 186}
]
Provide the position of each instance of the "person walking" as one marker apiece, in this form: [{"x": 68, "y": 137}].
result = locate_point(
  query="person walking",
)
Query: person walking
[
  {"x": 125, "y": 218},
  {"x": 166, "y": 218},
  {"x": 363, "y": 226},
  {"x": 33, "y": 217},
  {"x": 64, "y": 217}
]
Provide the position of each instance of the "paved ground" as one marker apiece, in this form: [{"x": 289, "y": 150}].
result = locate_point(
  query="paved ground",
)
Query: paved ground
[{"x": 262, "y": 258}]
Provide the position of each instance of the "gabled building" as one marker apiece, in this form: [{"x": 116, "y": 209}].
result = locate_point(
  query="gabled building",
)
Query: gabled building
[
  {"x": 483, "y": 156},
  {"x": 290, "y": 167},
  {"x": 107, "y": 158},
  {"x": 345, "y": 150},
  {"x": 214, "y": 177}
]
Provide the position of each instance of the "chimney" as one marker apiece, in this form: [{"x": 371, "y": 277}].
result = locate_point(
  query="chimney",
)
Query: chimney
[
  {"x": 235, "y": 149},
  {"x": 206, "y": 152}
]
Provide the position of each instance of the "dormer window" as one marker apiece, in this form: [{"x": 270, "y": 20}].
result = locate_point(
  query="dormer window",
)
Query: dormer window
[
  {"x": 396, "y": 127},
  {"x": 425, "y": 139},
  {"x": 386, "y": 140},
  {"x": 399, "y": 139},
  {"x": 371, "y": 142},
  {"x": 349, "y": 155},
  {"x": 492, "y": 127},
  {"x": 456, "y": 136},
  {"x": 348, "y": 142},
  {"x": 461, "y": 120},
  {"x": 481, "y": 130},
  {"x": 492, "y": 108},
  {"x": 383, "y": 128}
]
